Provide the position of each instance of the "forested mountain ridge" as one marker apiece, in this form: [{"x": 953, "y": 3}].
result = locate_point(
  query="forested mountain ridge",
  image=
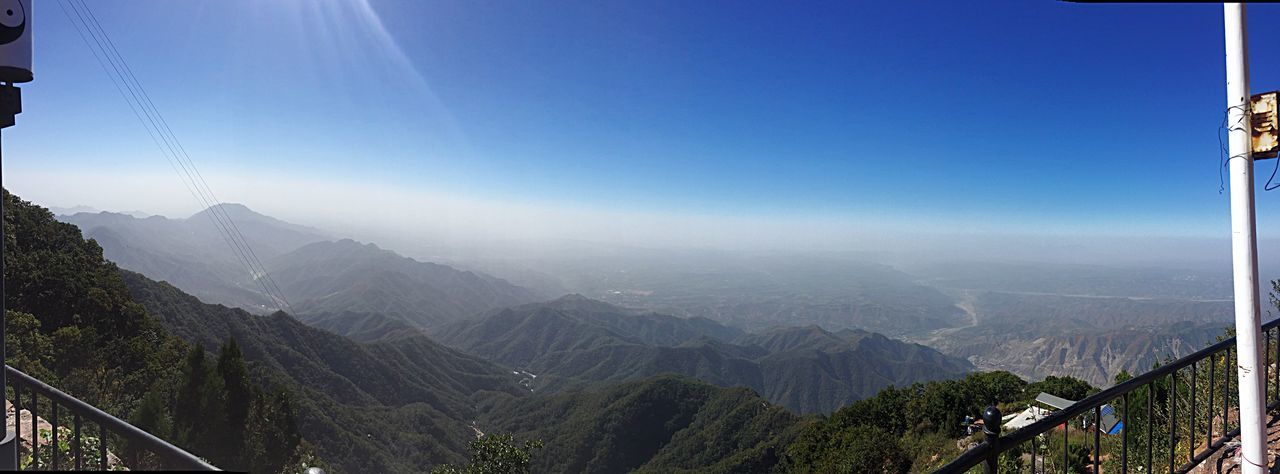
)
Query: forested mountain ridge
[
  {"x": 395, "y": 406},
  {"x": 71, "y": 323},
  {"x": 519, "y": 335},
  {"x": 663, "y": 424},
  {"x": 575, "y": 339},
  {"x": 362, "y": 327}
]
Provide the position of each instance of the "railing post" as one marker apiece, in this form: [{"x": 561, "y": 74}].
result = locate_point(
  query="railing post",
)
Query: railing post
[{"x": 991, "y": 433}]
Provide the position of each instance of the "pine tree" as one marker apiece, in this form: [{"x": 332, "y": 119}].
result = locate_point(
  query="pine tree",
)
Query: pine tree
[
  {"x": 199, "y": 405},
  {"x": 238, "y": 398},
  {"x": 189, "y": 405},
  {"x": 151, "y": 417},
  {"x": 275, "y": 438}
]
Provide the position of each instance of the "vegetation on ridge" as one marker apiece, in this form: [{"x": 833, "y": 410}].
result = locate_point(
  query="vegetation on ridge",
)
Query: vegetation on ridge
[{"x": 72, "y": 323}]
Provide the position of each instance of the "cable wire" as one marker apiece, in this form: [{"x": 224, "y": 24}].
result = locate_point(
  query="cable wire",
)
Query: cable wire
[
  {"x": 159, "y": 131},
  {"x": 218, "y": 208}
]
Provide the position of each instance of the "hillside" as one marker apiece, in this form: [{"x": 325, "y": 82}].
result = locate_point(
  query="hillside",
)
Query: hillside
[
  {"x": 398, "y": 406},
  {"x": 518, "y": 336},
  {"x": 350, "y": 277},
  {"x": 664, "y": 424},
  {"x": 57, "y": 284},
  {"x": 810, "y": 367},
  {"x": 362, "y": 327},
  {"x": 1091, "y": 338},
  {"x": 72, "y": 323},
  {"x": 1092, "y": 355},
  {"x": 810, "y": 370}
]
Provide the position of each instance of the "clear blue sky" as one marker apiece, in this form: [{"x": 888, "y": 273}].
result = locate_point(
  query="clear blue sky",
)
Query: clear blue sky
[{"x": 1093, "y": 117}]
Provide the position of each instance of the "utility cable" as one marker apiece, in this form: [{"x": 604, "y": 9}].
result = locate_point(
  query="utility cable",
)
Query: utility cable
[
  {"x": 171, "y": 148},
  {"x": 199, "y": 178}
]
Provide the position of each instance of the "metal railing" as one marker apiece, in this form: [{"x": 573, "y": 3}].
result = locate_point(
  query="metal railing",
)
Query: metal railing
[
  {"x": 1148, "y": 406},
  {"x": 74, "y": 445}
]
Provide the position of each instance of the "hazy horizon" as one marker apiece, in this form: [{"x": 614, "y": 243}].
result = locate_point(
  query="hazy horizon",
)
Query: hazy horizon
[
  {"x": 419, "y": 226},
  {"x": 407, "y": 125}
]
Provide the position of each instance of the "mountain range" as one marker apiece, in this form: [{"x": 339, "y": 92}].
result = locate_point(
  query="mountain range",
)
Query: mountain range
[
  {"x": 396, "y": 364},
  {"x": 192, "y": 253},
  {"x": 368, "y": 293},
  {"x": 349, "y": 277},
  {"x": 317, "y": 276},
  {"x": 1091, "y": 338},
  {"x": 400, "y": 402},
  {"x": 574, "y": 339}
]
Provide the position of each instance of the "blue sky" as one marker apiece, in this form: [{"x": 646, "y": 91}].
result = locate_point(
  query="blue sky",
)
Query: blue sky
[{"x": 1021, "y": 116}]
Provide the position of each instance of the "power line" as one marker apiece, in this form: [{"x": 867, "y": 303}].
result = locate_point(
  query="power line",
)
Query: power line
[
  {"x": 171, "y": 154},
  {"x": 197, "y": 186},
  {"x": 217, "y": 210}
]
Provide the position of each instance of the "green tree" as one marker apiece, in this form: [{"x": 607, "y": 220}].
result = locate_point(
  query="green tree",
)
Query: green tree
[
  {"x": 1067, "y": 387},
  {"x": 199, "y": 398},
  {"x": 151, "y": 416},
  {"x": 273, "y": 439},
  {"x": 864, "y": 448},
  {"x": 29, "y": 349},
  {"x": 495, "y": 454},
  {"x": 189, "y": 405},
  {"x": 238, "y": 399}
]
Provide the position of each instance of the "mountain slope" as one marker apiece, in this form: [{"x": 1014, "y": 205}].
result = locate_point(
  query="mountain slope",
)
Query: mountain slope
[
  {"x": 664, "y": 424},
  {"x": 1091, "y": 338},
  {"x": 587, "y": 340},
  {"x": 521, "y": 335},
  {"x": 72, "y": 323},
  {"x": 575, "y": 339},
  {"x": 191, "y": 253},
  {"x": 75, "y": 325},
  {"x": 362, "y": 327},
  {"x": 396, "y": 406},
  {"x": 346, "y": 276},
  {"x": 326, "y": 279}
]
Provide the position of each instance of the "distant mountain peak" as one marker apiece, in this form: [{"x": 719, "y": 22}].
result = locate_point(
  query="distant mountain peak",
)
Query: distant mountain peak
[
  {"x": 233, "y": 206},
  {"x": 351, "y": 242},
  {"x": 82, "y": 209},
  {"x": 240, "y": 213},
  {"x": 232, "y": 209},
  {"x": 76, "y": 209}
]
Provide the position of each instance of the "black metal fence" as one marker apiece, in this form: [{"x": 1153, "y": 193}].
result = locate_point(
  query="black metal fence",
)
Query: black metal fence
[
  {"x": 1174, "y": 417},
  {"x": 64, "y": 433}
]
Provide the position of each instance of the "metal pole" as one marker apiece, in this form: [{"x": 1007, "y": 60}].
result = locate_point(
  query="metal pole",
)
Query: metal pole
[
  {"x": 1244, "y": 244},
  {"x": 8, "y": 445}
]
